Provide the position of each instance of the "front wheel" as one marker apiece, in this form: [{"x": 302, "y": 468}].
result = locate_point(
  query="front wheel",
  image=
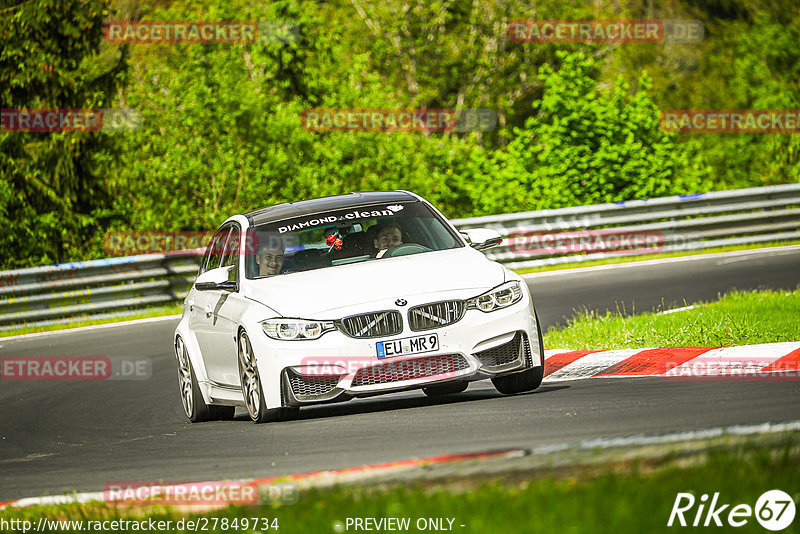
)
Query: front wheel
[
  {"x": 252, "y": 390},
  {"x": 519, "y": 382}
]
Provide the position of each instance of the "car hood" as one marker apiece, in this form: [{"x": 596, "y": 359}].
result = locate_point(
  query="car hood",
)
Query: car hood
[{"x": 316, "y": 294}]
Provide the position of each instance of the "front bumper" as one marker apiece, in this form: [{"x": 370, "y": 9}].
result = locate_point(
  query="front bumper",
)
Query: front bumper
[
  {"x": 405, "y": 373},
  {"x": 336, "y": 367}
]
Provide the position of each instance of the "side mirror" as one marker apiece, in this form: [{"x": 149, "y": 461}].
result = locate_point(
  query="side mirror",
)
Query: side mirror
[
  {"x": 216, "y": 279},
  {"x": 482, "y": 238}
]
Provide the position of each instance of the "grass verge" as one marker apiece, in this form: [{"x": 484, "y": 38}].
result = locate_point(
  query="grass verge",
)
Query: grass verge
[
  {"x": 646, "y": 257},
  {"x": 78, "y": 322},
  {"x": 621, "y": 496},
  {"x": 737, "y": 318}
]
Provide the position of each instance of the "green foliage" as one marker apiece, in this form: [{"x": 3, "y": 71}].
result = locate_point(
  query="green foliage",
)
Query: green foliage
[
  {"x": 51, "y": 194},
  {"x": 456, "y": 53},
  {"x": 749, "y": 59},
  {"x": 222, "y": 133},
  {"x": 588, "y": 144},
  {"x": 220, "y": 128}
]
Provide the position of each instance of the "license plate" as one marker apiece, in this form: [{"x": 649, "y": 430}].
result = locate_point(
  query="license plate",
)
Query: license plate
[{"x": 409, "y": 345}]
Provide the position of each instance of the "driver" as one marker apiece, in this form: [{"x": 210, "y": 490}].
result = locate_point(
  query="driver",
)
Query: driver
[
  {"x": 387, "y": 235},
  {"x": 270, "y": 257}
]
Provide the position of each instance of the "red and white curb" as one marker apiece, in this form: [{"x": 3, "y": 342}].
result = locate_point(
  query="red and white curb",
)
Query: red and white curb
[{"x": 768, "y": 360}]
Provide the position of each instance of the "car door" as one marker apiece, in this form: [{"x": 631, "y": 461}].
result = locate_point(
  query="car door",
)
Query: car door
[
  {"x": 198, "y": 301},
  {"x": 211, "y": 318},
  {"x": 221, "y": 359}
]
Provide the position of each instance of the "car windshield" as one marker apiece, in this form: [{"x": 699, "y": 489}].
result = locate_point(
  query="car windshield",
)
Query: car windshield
[{"x": 355, "y": 234}]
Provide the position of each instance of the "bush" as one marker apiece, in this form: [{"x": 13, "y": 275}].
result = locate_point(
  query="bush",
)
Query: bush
[{"x": 588, "y": 144}]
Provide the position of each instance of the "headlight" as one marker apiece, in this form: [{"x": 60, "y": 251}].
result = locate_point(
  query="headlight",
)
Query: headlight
[
  {"x": 500, "y": 297},
  {"x": 295, "y": 329}
]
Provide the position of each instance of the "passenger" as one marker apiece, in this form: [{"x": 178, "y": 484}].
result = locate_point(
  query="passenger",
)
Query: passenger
[
  {"x": 270, "y": 257},
  {"x": 387, "y": 235}
]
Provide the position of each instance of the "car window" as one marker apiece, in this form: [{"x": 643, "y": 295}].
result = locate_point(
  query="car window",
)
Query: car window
[
  {"x": 215, "y": 249},
  {"x": 230, "y": 254},
  {"x": 355, "y": 234}
]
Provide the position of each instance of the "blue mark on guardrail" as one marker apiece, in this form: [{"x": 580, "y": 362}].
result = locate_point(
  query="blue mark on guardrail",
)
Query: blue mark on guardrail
[
  {"x": 689, "y": 197},
  {"x": 625, "y": 202},
  {"x": 93, "y": 263}
]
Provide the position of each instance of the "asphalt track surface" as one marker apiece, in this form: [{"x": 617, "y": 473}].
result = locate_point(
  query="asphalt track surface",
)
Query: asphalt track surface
[{"x": 60, "y": 436}]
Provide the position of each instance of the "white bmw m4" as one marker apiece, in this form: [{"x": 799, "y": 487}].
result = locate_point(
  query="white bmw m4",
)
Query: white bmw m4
[{"x": 350, "y": 296}]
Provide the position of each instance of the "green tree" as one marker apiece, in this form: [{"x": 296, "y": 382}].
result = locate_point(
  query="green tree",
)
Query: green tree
[
  {"x": 52, "y": 192},
  {"x": 457, "y": 53},
  {"x": 221, "y": 126},
  {"x": 588, "y": 144},
  {"x": 748, "y": 59}
]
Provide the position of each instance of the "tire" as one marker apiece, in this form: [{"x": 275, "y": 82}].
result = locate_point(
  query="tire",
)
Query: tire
[
  {"x": 252, "y": 391},
  {"x": 523, "y": 381},
  {"x": 445, "y": 389},
  {"x": 194, "y": 406}
]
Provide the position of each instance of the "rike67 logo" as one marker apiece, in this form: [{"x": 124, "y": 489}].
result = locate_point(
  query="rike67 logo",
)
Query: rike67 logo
[{"x": 774, "y": 510}]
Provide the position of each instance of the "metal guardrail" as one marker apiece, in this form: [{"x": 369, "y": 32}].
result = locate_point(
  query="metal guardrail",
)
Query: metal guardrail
[
  {"x": 61, "y": 293},
  {"x": 41, "y": 295},
  {"x": 676, "y": 224}
]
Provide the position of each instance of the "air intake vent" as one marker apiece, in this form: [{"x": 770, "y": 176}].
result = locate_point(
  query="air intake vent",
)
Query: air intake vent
[
  {"x": 412, "y": 369},
  {"x": 309, "y": 387},
  {"x": 507, "y": 355}
]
